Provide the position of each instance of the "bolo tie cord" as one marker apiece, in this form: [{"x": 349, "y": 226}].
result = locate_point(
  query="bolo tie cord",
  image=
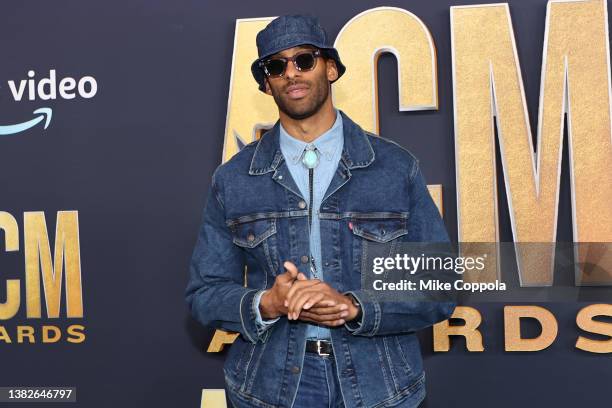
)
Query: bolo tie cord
[{"x": 310, "y": 160}]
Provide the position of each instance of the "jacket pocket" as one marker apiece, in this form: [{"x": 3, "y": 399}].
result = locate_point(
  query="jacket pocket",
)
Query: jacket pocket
[
  {"x": 375, "y": 235},
  {"x": 380, "y": 230},
  {"x": 252, "y": 233},
  {"x": 258, "y": 239}
]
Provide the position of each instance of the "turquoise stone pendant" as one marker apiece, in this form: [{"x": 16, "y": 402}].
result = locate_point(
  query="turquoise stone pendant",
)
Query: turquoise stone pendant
[{"x": 310, "y": 159}]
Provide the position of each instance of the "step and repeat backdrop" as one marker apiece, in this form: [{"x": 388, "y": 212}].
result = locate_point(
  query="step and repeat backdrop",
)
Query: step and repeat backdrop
[{"x": 114, "y": 115}]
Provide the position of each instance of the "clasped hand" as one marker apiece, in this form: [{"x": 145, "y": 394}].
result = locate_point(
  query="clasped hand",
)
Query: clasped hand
[{"x": 311, "y": 300}]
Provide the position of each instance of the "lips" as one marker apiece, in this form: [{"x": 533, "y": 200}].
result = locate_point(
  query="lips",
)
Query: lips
[{"x": 297, "y": 91}]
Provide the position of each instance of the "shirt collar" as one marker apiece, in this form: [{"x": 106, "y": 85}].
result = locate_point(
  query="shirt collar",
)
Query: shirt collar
[
  {"x": 326, "y": 144},
  {"x": 357, "y": 151}
]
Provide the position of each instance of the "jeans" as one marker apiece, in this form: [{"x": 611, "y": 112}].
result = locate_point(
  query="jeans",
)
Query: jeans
[{"x": 319, "y": 386}]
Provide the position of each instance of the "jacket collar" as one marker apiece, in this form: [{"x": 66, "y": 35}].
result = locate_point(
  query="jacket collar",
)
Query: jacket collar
[{"x": 357, "y": 151}]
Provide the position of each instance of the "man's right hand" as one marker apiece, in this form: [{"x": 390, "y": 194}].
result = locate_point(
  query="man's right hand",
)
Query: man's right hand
[{"x": 272, "y": 303}]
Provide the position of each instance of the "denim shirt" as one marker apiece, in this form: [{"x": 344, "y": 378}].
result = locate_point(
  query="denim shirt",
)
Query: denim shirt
[
  {"x": 329, "y": 145},
  {"x": 253, "y": 219}
]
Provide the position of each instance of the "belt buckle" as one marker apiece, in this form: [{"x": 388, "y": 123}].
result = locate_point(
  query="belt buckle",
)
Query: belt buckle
[{"x": 319, "y": 352}]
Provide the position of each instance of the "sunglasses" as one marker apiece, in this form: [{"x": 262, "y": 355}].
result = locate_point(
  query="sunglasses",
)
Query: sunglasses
[{"x": 302, "y": 61}]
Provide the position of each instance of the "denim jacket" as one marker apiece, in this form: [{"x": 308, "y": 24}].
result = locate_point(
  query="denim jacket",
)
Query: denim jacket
[{"x": 256, "y": 217}]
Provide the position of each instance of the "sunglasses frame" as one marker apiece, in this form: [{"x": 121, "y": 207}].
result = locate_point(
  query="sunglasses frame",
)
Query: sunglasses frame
[{"x": 315, "y": 53}]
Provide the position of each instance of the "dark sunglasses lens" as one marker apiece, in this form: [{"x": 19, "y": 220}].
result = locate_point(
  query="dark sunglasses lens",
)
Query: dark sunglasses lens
[
  {"x": 275, "y": 67},
  {"x": 305, "y": 61}
]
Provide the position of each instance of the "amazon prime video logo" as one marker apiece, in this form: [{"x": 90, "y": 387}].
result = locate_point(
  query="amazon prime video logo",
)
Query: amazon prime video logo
[{"x": 46, "y": 88}]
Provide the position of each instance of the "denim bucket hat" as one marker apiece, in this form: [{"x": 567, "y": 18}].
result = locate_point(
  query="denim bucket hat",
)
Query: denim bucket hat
[{"x": 291, "y": 31}]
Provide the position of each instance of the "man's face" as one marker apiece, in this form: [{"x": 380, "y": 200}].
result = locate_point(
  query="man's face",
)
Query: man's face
[{"x": 301, "y": 94}]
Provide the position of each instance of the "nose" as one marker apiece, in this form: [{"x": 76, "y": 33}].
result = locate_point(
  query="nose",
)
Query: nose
[{"x": 291, "y": 72}]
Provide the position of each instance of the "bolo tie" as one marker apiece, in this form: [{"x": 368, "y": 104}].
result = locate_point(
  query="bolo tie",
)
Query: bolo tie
[{"x": 310, "y": 159}]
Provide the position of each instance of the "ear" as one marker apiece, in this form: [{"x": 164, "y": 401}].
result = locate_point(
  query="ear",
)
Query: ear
[
  {"x": 332, "y": 70},
  {"x": 267, "y": 86}
]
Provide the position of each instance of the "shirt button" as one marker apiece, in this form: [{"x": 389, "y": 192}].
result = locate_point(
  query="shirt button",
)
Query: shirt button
[
  {"x": 295, "y": 370},
  {"x": 304, "y": 259},
  {"x": 302, "y": 204},
  {"x": 251, "y": 237}
]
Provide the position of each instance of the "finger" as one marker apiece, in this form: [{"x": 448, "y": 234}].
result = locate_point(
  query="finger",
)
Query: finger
[
  {"x": 285, "y": 279},
  {"x": 322, "y": 310},
  {"x": 311, "y": 317},
  {"x": 314, "y": 300},
  {"x": 292, "y": 271},
  {"x": 301, "y": 276},
  {"x": 299, "y": 298},
  {"x": 297, "y": 302},
  {"x": 327, "y": 303},
  {"x": 298, "y": 286},
  {"x": 323, "y": 318}
]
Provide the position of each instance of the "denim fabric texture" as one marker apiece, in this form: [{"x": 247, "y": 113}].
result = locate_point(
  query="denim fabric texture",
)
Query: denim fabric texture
[
  {"x": 329, "y": 145},
  {"x": 253, "y": 217},
  {"x": 319, "y": 386}
]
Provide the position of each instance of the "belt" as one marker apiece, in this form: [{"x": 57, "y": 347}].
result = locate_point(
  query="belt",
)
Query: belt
[{"x": 320, "y": 347}]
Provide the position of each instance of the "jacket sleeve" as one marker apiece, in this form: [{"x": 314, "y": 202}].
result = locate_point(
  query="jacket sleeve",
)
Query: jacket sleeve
[
  {"x": 215, "y": 292},
  {"x": 383, "y": 317}
]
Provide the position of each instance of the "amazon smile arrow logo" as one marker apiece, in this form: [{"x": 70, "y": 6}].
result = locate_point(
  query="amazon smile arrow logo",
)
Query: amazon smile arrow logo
[
  {"x": 48, "y": 87},
  {"x": 20, "y": 127}
]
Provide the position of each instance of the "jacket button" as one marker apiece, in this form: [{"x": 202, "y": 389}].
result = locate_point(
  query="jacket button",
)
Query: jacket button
[
  {"x": 304, "y": 259},
  {"x": 302, "y": 204},
  {"x": 251, "y": 237},
  {"x": 295, "y": 370}
]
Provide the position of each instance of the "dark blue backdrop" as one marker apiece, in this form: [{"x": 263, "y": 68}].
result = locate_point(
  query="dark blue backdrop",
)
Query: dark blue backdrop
[{"x": 136, "y": 160}]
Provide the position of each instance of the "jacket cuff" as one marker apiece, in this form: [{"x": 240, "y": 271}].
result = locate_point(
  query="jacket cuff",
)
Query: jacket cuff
[
  {"x": 370, "y": 314},
  {"x": 262, "y": 325},
  {"x": 248, "y": 318}
]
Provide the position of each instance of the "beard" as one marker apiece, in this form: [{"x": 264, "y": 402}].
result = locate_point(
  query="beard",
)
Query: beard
[{"x": 302, "y": 108}]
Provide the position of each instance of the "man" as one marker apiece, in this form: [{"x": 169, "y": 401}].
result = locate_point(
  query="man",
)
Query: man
[{"x": 299, "y": 208}]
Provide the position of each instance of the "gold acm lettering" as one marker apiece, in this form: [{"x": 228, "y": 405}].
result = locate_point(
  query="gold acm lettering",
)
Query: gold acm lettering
[
  {"x": 10, "y": 307},
  {"x": 213, "y": 398},
  {"x": 585, "y": 320},
  {"x": 389, "y": 30},
  {"x": 248, "y": 109},
  {"x": 38, "y": 262},
  {"x": 512, "y": 328},
  {"x": 469, "y": 330},
  {"x": 488, "y": 87}
]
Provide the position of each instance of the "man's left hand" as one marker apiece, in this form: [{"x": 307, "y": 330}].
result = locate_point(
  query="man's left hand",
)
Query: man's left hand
[{"x": 320, "y": 304}]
